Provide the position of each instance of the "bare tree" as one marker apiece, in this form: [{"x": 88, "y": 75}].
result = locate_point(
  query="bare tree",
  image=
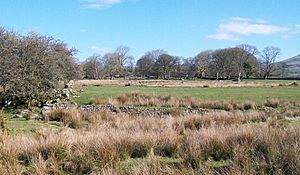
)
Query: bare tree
[
  {"x": 188, "y": 68},
  {"x": 92, "y": 67},
  {"x": 223, "y": 63},
  {"x": 9, "y": 43},
  {"x": 202, "y": 62},
  {"x": 268, "y": 58},
  {"x": 129, "y": 67},
  {"x": 112, "y": 66},
  {"x": 281, "y": 69},
  {"x": 245, "y": 58},
  {"x": 155, "y": 54},
  {"x": 145, "y": 65},
  {"x": 122, "y": 55},
  {"x": 164, "y": 65},
  {"x": 118, "y": 62}
]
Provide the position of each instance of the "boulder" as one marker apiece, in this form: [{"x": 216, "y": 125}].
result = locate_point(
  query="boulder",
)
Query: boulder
[{"x": 29, "y": 115}]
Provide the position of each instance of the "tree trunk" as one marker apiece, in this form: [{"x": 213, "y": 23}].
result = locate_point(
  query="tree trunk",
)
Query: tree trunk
[
  {"x": 29, "y": 103},
  {"x": 239, "y": 77}
]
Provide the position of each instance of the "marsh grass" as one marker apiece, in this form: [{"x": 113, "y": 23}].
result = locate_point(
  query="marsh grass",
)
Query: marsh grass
[{"x": 235, "y": 141}]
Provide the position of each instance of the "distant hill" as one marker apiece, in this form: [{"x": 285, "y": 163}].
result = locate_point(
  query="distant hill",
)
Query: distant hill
[
  {"x": 293, "y": 65},
  {"x": 292, "y": 62}
]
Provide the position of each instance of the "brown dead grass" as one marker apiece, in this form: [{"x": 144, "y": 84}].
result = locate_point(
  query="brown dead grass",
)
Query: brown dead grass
[
  {"x": 249, "y": 142},
  {"x": 135, "y": 99}
]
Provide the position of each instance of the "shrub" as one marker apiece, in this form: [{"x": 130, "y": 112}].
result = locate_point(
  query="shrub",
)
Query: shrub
[{"x": 294, "y": 84}]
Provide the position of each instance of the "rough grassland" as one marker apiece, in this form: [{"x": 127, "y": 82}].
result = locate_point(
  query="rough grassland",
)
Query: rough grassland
[
  {"x": 238, "y": 94},
  {"x": 258, "y": 134}
]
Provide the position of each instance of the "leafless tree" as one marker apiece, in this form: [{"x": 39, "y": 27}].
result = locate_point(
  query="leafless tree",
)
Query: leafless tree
[
  {"x": 164, "y": 65},
  {"x": 122, "y": 55},
  {"x": 268, "y": 58},
  {"x": 223, "y": 64},
  {"x": 245, "y": 58},
  {"x": 93, "y": 67},
  {"x": 281, "y": 70},
  {"x": 145, "y": 65},
  {"x": 202, "y": 62}
]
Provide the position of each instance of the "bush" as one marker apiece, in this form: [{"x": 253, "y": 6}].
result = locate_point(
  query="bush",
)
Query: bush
[{"x": 294, "y": 84}]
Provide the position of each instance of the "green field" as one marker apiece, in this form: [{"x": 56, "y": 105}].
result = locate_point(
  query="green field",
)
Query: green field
[
  {"x": 284, "y": 82},
  {"x": 238, "y": 94}
]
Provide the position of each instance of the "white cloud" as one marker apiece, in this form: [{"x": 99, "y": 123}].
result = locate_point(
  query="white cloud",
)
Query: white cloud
[
  {"x": 261, "y": 21},
  {"x": 239, "y": 19},
  {"x": 294, "y": 31},
  {"x": 224, "y": 36},
  {"x": 286, "y": 36},
  {"x": 83, "y": 30},
  {"x": 100, "y": 4},
  {"x": 248, "y": 28},
  {"x": 100, "y": 50},
  {"x": 236, "y": 27}
]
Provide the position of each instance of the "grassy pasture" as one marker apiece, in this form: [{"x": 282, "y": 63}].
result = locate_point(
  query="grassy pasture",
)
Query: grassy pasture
[{"x": 237, "y": 94}]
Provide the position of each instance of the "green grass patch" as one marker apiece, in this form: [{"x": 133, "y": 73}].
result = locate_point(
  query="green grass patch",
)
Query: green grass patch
[
  {"x": 20, "y": 126},
  {"x": 139, "y": 163},
  {"x": 286, "y": 82},
  {"x": 237, "y": 94}
]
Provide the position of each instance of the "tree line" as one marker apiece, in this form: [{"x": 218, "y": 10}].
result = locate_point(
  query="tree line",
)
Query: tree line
[
  {"x": 34, "y": 68},
  {"x": 242, "y": 61}
]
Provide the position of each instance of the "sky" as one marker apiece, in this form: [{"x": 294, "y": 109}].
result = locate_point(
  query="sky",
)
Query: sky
[{"x": 181, "y": 27}]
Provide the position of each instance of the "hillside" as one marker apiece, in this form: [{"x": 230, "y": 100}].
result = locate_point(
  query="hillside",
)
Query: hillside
[
  {"x": 291, "y": 62},
  {"x": 293, "y": 65}
]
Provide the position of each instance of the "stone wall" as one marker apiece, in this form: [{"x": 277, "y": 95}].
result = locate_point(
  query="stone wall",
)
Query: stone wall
[{"x": 142, "y": 110}]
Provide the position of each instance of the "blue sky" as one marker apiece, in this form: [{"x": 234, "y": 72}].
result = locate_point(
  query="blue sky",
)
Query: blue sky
[{"x": 181, "y": 27}]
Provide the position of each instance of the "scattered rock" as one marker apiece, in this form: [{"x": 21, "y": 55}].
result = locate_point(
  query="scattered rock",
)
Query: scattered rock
[{"x": 29, "y": 115}]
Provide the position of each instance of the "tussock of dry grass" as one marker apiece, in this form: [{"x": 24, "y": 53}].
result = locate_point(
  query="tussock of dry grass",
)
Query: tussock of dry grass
[
  {"x": 108, "y": 140},
  {"x": 70, "y": 118},
  {"x": 98, "y": 101},
  {"x": 273, "y": 103},
  {"x": 247, "y": 142},
  {"x": 135, "y": 99}
]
